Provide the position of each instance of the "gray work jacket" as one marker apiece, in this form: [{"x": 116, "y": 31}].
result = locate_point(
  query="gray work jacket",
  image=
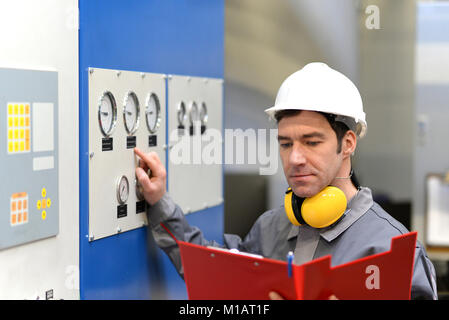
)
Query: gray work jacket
[{"x": 366, "y": 229}]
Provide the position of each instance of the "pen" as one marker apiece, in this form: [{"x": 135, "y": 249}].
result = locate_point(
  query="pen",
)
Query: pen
[{"x": 290, "y": 257}]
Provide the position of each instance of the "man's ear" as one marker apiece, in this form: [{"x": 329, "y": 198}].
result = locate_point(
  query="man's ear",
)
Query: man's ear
[{"x": 349, "y": 143}]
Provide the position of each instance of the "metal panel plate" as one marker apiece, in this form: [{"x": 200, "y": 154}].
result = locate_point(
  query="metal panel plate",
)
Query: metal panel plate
[
  {"x": 29, "y": 202},
  {"x": 113, "y": 157},
  {"x": 195, "y": 179}
]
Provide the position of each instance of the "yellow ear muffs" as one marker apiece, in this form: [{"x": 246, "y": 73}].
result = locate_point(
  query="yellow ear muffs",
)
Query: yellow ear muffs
[{"x": 320, "y": 211}]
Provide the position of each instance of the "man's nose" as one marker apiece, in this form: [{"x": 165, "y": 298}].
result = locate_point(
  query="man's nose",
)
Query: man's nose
[{"x": 297, "y": 156}]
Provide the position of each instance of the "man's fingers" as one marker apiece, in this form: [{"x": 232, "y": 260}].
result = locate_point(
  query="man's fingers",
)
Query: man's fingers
[
  {"x": 152, "y": 162},
  {"x": 143, "y": 178},
  {"x": 275, "y": 296}
]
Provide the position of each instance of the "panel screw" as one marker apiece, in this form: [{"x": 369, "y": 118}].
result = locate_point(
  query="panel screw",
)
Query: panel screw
[
  {"x": 118, "y": 73},
  {"x": 91, "y": 155},
  {"x": 119, "y": 230},
  {"x": 91, "y": 70},
  {"x": 91, "y": 237}
]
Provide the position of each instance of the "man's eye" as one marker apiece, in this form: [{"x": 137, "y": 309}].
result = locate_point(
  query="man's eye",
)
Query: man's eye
[
  {"x": 313, "y": 143},
  {"x": 285, "y": 145}
]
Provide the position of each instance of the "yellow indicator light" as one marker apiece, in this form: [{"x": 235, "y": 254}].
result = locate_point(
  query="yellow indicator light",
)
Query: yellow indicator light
[
  {"x": 38, "y": 204},
  {"x": 44, "y": 214},
  {"x": 44, "y": 192},
  {"x": 48, "y": 203}
]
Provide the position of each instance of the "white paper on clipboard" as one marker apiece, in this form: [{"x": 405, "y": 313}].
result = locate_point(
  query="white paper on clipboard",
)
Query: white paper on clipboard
[{"x": 437, "y": 233}]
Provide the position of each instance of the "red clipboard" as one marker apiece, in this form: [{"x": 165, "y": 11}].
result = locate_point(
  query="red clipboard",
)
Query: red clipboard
[{"x": 218, "y": 274}]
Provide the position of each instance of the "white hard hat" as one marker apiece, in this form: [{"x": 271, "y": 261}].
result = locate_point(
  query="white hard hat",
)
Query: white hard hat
[{"x": 317, "y": 87}]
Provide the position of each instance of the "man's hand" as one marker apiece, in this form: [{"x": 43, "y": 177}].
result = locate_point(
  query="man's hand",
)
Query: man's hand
[
  {"x": 153, "y": 183},
  {"x": 273, "y": 295}
]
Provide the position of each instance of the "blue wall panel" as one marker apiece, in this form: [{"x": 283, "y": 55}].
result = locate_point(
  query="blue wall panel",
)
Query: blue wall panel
[{"x": 163, "y": 36}]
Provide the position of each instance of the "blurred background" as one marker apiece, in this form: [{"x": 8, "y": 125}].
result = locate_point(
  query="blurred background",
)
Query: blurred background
[{"x": 397, "y": 54}]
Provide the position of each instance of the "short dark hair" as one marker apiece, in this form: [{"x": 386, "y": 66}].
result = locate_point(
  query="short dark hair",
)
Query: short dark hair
[{"x": 339, "y": 128}]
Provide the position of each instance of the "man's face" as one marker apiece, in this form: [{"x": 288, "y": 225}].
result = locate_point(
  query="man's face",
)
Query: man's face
[{"x": 308, "y": 149}]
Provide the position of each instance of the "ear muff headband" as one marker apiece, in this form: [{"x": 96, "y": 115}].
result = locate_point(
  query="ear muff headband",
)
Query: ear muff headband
[
  {"x": 288, "y": 204},
  {"x": 322, "y": 210}
]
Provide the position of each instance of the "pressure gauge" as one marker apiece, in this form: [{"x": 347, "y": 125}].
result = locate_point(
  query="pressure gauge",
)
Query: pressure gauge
[
  {"x": 203, "y": 114},
  {"x": 153, "y": 113},
  {"x": 107, "y": 113},
  {"x": 181, "y": 114},
  {"x": 122, "y": 189},
  {"x": 131, "y": 112},
  {"x": 194, "y": 114},
  {"x": 139, "y": 190}
]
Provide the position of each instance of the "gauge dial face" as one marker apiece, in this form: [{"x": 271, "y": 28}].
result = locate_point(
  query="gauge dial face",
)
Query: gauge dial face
[
  {"x": 203, "y": 114},
  {"x": 122, "y": 189},
  {"x": 107, "y": 113},
  {"x": 194, "y": 114},
  {"x": 181, "y": 113},
  {"x": 131, "y": 111},
  {"x": 152, "y": 113}
]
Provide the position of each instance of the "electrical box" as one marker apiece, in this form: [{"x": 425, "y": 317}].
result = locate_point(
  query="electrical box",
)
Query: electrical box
[
  {"x": 29, "y": 157},
  {"x": 126, "y": 110},
  {"x": 195, "y": 128}
]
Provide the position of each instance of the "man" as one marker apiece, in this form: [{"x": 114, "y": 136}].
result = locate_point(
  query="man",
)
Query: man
[{"x": 320, "y": 116}]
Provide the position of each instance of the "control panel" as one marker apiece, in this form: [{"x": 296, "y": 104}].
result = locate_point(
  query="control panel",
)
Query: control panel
[
  {"x": 126, "y": 110},
  {"x": 195, "y": 125},
  {"x": 29, "y": 156}
]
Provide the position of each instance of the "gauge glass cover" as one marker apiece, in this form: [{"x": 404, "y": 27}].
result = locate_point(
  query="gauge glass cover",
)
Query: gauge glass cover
[
  {"x": 152, "y": 113},
  {"x": 107, "y": 113},
  {"x": 122, "y": 189},
  {"x": 131, "y": 111},
  {"x": 194, "y": 114},
  {"x": 203, "y": 114},
  {"x": 181, "y": 113}
]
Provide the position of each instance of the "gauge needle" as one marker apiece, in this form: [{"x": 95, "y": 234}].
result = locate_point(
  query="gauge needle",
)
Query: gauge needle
[
  {"x": 105, "y": 113},
  {"x": 129, "y": 113}
]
